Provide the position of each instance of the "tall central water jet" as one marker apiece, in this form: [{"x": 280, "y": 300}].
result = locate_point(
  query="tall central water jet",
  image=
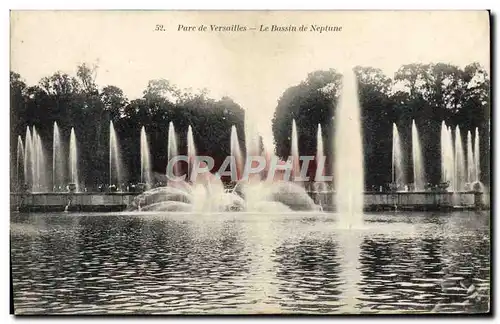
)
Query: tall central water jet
[
  {"x": 115, "y": 169},
  {"x": 73, "y": 160},
  {"x": 58, "y": 167},
  {"x": 236, "y": 152},
  {"x": 145, "y": 156},
  {"x": 398, "y": 176},
  {"x": 294, "y": 151},
  {"x": 447, "y": 160},
  {"x": 349, "y": 172},
  {"x": 418, "y": 163}
]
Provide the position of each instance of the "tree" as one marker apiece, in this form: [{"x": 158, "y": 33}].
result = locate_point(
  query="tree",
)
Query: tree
[
  {"x": 377, "y": 111},
  {"x": 314, "y": 101},
  {"x": 114, "y": 101},
  {"x": 431, "y": 93},
  {"x": 310, "y": 103},
  {"x": 428, "y": 93}
]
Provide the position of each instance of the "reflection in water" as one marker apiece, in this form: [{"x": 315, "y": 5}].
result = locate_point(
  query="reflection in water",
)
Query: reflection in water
[
  {"x": 349, "y": 242},
  {"x": 439, "y": 271},
  {"x": 243, "y": 263},
  {"x": 121, "y": 264},
  {"x": 401, "y": 273},
  {"x": 309, "y": 275}
]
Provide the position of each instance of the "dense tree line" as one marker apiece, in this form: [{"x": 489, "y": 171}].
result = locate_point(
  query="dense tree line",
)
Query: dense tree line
[
  {"x": 427, "y": 93},
  {"x": 77, "y": 101}
]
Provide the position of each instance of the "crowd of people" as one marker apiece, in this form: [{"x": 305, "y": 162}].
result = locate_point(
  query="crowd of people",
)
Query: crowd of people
[{"x": 312, "y": 186}]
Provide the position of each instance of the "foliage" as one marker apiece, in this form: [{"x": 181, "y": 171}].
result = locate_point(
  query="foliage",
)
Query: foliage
[
  {"x": 426, "y": 93},
  {"x": 78, "y": 102}
]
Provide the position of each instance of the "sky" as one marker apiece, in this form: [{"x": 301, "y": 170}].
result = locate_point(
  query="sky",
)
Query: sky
[{"x": 253, "y": 67}]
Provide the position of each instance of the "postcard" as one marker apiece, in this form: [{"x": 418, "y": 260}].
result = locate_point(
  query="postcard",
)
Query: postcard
[{"x": 250, "y": 162}]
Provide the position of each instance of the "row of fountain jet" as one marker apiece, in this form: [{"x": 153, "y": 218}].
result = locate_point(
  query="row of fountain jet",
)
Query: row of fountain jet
[
  {"x": 31, "y": 160},
  {"x": 253, "y": 195},
  {"x": 258, "y": 194},
  {"x": 460, "y": 168},
  {"x": 32, "y": 163}
]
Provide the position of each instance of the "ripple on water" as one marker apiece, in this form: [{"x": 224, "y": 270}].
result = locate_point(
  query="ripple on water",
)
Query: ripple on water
[{"x": 140, "y": 265}]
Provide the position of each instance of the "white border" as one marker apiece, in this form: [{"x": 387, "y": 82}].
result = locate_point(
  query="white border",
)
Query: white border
[{"x": 186, "y": 4}]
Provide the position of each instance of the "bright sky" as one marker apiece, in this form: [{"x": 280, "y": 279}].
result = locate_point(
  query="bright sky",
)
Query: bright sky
[{"x": 252, "y": 67}]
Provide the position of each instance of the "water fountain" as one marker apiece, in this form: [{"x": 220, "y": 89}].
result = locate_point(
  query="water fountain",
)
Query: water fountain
[
  {"x": 271, "y": 195},
  {"x": 447, "y": 159},
  {"x": 41, "y": 162},
  {"x": 471, "y": 167},
  {"x": 418, "y": 162},
  {"x": 398, "y": 176},
  {"x": 476, "y": 155},
  {"x": 28, "y": 167},
  {"x": 294, "y": 151},
  {"x": 320, "y": 186},
  {"x": 34, "y": 161},
  {"x": 267, "y": 193},
  {"x": 252, "y": 142},
  {"x": 348, "y": 154},
  {"x": 58, "y": 165},
  {"x": 191, "y": 151},
  {"x": 236, "y": 152},
  {"x": 19, "y": 159},
  {"x": 115, "y": 165},
  {"x": 145, "y": 156},
  {"x": 73, "y": 161},
  {"x": 207, "y": 193},
  {"x": 459, "y": 162},
  {"x": 172, "y": 147},
  {"x": 320, "y": 150}
]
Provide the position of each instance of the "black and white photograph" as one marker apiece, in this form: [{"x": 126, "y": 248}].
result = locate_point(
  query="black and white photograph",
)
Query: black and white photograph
[{"x": 170, "y": 162}]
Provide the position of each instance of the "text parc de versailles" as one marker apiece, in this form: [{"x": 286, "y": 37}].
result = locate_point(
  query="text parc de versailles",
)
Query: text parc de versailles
[{"x": 262, "y": 28}]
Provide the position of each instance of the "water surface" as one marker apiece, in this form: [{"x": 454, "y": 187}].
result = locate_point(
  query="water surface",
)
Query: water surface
[{"x": 249, "y": 263}]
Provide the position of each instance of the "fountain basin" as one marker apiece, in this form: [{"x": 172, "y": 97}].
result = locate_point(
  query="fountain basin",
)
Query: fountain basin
[
  {"x": 119, "y": 201},
  {"x": 57, "y": 201}
]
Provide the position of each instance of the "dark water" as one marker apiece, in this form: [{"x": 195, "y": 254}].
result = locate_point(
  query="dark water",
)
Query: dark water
[{"x": 244, "y": 263}]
